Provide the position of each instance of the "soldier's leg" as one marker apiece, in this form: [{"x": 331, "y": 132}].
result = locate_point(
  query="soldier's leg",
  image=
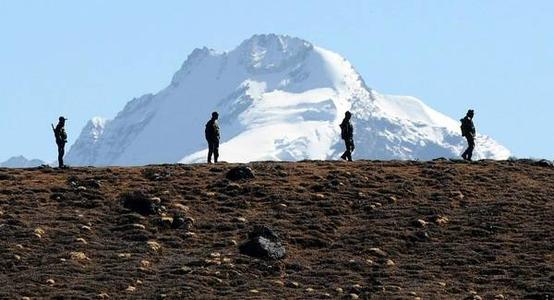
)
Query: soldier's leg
[
  {"x": 349, "y": 149},
  {"x": 210, "y": 152},
  {"x": 471, "y": 146},
  {"x": 216, "y": 151},
  {"x": 343, "y": 156},
  {"x": 60, "y": 155},
  {"x": 464, "y": 155}
]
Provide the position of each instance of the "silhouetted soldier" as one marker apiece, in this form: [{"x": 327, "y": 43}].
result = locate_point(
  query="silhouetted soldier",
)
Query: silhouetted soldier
[
  {"x": 212, "y": 136},
  {"x": 468, "y": 130},
  {"x": 61, "y": 140},
  {"x": 347, "y": 134}
]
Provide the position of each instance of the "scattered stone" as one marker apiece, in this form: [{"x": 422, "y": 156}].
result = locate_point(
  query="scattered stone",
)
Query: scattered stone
[
  {"x": 458, "y": 195},
  {"x": 181, "y": 207},
  {"x": 279, "y": 282},
  {"x": 240, "y": 220},
  {"x": 263, "y": 243},
  {"x": 19, "y": 246},
  {"x": 144, "y": 263},
  {"x": 154, "y": 246},
  {"x": 442, "y": 283},
  {"x": 392, "y": 199},
  {"x": 138, "y": 226},
  {"x": 86, "y": 228},
  {"x": 39, "y": 232},
  {"x": 156, "y": 175},
  {"x": 240, "y": 173},
  {"x": 166, "y": 221},
  {"x": 499, "y": 297},
  {"x": 412, "y": 294},
  {"x": 81, "y": 240},
  {"x": 131, "y": 289},
  {"x": 190, "y": 234},
  {"x": 78, "y": 256},
  {"x": 180, "y": 222},
  {"x": 339, "y": 290},
  {"x": 354, "y": 296},
  {"x": 124, "y": 255},
  {"x": 103, "y": 296},
  {"x": 81, "y": 188},
  {"x": 254, "y": 291},
  {"x": 420, "y": 223},
  {"x": 211, "y": 194},
  {"x": 139, "y": 202},
  {"x": 25, "y": 298},
  {"x": 419, "y": 236},
  {"x": 309, "y": 290},
  {"x": 378, "y": 252},
  {"x": 215, "y": 255},
  {"x": 50, "y": 281},
  {"x": 319, "y": 196},
  {"x": 293, "y": 284},
  {"x": 184, "y": 270},
  {"x": 440, "y": 220},
  {"x": 390, "y": 263}
]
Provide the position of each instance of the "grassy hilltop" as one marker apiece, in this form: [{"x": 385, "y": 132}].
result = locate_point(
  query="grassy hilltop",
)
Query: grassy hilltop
[{"x": 366, "y": 229}]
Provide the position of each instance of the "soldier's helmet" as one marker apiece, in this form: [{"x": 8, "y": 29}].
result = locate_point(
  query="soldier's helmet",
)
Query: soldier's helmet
[
  {"x": 215, "y": 115},
  {"x": 470, "y": 113},
  {"x": 348, "y": 114},
  {"x": 62, "y": 119}
]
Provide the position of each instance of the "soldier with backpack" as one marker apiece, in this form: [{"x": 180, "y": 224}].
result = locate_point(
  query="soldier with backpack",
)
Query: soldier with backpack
[
  {"x": 468, "y": 130},
  {"x": 61, "y": 140},
  {"x": 347, "y": 134},
  {"x": 212, "y": 137}
]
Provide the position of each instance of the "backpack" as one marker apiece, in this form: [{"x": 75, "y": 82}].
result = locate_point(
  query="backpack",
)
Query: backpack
[
  {"x": 463, "y": 127},
  {"x": 343, "y": 130}
]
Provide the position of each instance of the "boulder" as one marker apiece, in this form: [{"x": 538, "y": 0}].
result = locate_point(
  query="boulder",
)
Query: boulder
[
  {"x": 544, "y": 163},
  {"x": 263, "y": 243},
  {"x": 240, "y": 173},
  {"x": 139, "y": 202}
]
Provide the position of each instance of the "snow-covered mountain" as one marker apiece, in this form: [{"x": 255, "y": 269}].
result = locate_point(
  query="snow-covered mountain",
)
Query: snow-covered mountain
[
  {"x": 21, "y": 162},
  {"x": 279, "y": 98}
]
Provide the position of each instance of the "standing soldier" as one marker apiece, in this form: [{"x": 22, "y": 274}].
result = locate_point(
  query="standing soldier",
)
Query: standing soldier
[
  {"x": 468, "y": 130},
  {"x": 61, "y": 140},
  {"x": 347, "y": 134},
  {"x": 212, "y": 136}
]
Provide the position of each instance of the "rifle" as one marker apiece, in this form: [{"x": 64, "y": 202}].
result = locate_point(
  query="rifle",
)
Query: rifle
[{"x": 55, "y": 133}]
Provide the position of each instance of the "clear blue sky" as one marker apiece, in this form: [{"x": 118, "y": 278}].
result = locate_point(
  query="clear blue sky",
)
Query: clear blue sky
[{"x": 88, "y": 58}]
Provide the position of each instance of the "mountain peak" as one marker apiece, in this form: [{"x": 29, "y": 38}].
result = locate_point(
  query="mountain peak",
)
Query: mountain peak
[
  {"x": 272, "y": 52},
  {"x": 279, "y": 98}
]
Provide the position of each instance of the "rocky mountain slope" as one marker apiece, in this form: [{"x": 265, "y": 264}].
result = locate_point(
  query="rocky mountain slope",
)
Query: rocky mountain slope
[
  {"x": 379, "y": 230},
  {"x": 279, "y": 98}
]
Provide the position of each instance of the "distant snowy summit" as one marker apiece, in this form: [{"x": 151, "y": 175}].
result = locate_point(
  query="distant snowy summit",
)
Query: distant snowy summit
[
  {"x": 279, "y": 98},
  {"x": 21, "y": 162}
]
